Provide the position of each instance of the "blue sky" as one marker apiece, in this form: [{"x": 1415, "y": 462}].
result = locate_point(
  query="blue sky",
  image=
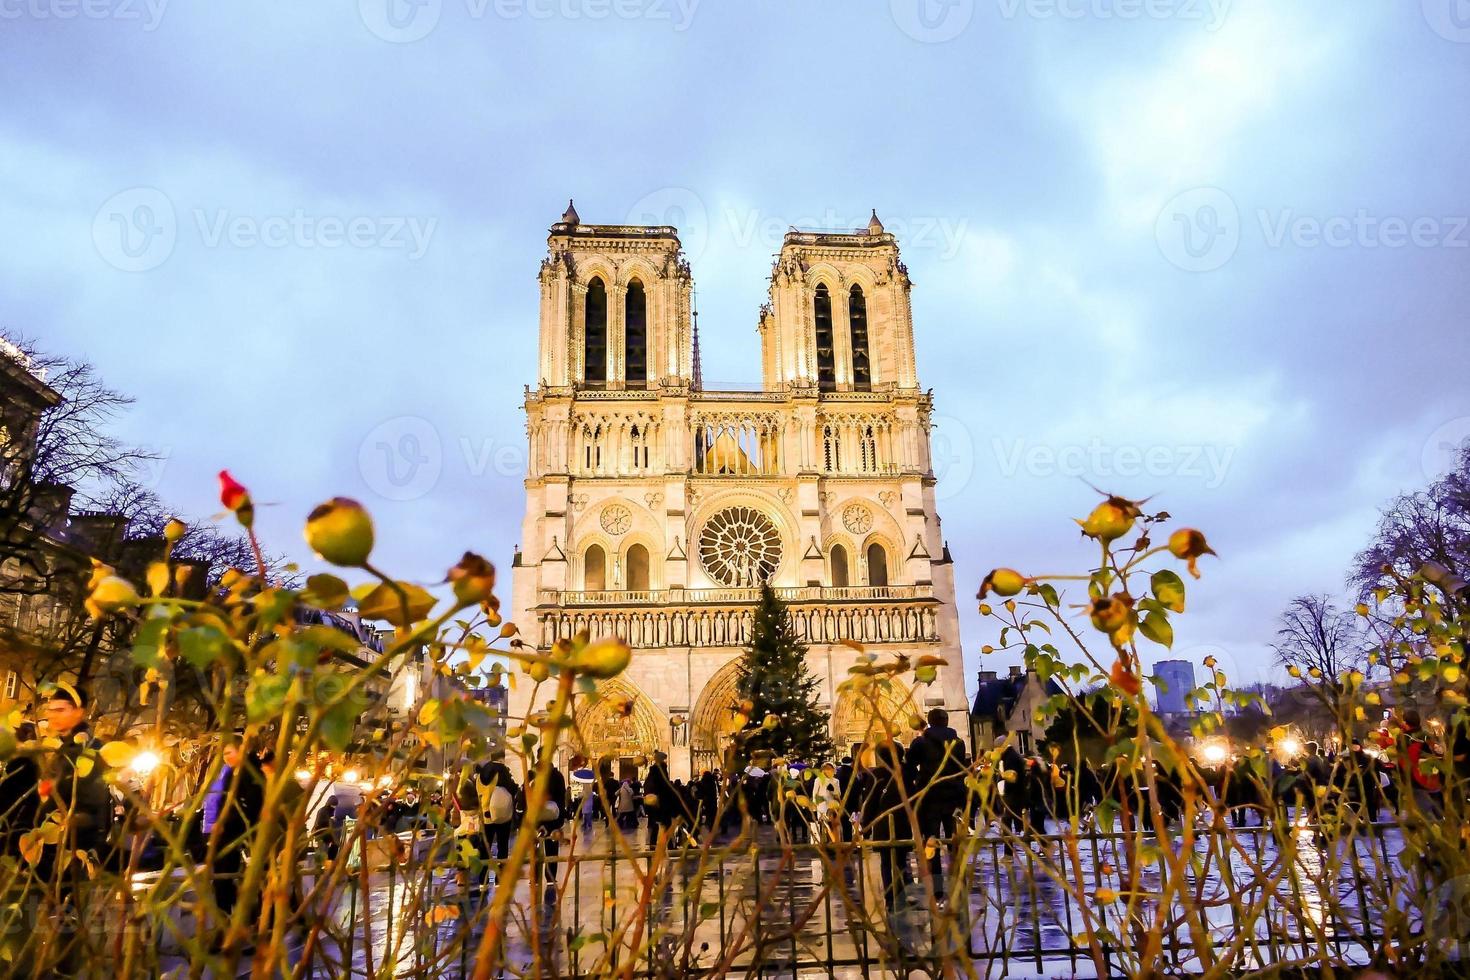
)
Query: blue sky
[{"x": 1216, "y": 252}]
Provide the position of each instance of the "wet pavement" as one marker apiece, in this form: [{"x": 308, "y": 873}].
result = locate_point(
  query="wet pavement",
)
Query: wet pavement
[{"x": 798, "y": 915}]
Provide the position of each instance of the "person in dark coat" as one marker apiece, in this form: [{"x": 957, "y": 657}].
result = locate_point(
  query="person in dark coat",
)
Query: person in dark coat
[
  {"x": 19, "y": 799},
  {"x": 238, "y": 815},
  {"x": 488, "y": 777},
  {"x": 661, "y": 800},
  {"x": 324, "y": 828},
  {"x": 880, "y": 799},
  {"x": 1011, "y": 773},
  {"x": 707, "y": 792},
  {"x": 844, "y": 787},
  {"x": 934, "y": 768},
  {"x": 556, "y": 794},
  {"x": 81, "y": 798}
]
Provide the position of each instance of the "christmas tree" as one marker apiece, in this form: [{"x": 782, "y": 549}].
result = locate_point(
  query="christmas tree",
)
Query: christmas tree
[{"x": 782, "y": 695}]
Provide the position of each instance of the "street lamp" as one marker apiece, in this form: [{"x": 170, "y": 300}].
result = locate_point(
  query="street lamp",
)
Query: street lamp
[{"x": 145, "y": 762}]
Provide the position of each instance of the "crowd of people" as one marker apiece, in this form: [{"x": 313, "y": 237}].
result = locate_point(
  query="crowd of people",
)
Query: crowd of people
[{"x": 888, "y": 795}]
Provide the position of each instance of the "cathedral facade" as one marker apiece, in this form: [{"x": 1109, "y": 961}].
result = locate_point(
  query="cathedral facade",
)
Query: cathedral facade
[{"x": 655, "y": 508}]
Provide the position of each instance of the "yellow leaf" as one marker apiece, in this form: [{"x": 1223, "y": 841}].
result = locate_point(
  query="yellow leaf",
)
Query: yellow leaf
[
  {"x": 30, "y": 846},
  {"x": 84, "y": 766},
  {"x": 116, "y": 754},
  {"x": 441, "y": 913}
]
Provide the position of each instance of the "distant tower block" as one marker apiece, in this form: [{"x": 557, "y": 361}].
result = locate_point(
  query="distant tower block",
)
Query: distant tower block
[{"x": 1178, "y": 678}]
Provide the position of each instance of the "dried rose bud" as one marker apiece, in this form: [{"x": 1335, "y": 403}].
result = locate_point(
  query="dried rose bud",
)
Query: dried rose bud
[
  {"x": 340, "y": 531},
  {"x": 109, "y": 595},
  {"x": 1110, "y": 519},
  {"x": 1003, "y": 582},
  {"x": 1189, "y": 544},
  {"x": 473, "y": 579},
  {"x": 1110, "y": 613},
  {"x": 604, "y": 659}
]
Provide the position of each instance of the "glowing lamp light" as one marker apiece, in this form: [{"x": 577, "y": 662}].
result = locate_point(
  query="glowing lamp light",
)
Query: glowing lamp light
[
  {"x": 1214, "y": 753},
  {"x": 1290, "y": 746},
  {"x": 303, "y": 775},
  {"x": 351, "y": 776},
  {"x": 145, "y": 762}
]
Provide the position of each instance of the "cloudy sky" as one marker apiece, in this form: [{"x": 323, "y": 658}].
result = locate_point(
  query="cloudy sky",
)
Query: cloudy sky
[{"x": 1212, "y": 251}]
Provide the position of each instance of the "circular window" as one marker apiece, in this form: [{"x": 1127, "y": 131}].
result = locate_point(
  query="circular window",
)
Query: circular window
[
  {"x": 857, "y": 519},
  {"x": 616, "y": 519},
  {"x": 740, "y": 547}
]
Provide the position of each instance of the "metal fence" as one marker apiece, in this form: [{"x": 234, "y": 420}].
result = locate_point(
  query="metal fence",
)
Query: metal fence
[{"x": 1260, "y": 896}]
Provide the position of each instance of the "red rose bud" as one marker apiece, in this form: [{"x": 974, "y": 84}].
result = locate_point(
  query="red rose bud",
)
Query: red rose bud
[
  {"x": 236, "y": 498},
  {"x": 341, "y": 532}
]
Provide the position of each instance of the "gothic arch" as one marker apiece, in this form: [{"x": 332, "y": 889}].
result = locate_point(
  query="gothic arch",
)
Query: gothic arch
[
  {"x": 712, "y": 721},
  {"x": 622, "y": 722},
  {"x": 854, "y": 719},
  {"x": 640, "y": 269},
  {"x": 826, "y": 272}
]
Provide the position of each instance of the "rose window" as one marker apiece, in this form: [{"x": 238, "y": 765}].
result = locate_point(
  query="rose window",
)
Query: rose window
[
  {"x": 857, "y": 519},
  {"x": 616, "y": 519},
  {"x": 740, "y": 547}
]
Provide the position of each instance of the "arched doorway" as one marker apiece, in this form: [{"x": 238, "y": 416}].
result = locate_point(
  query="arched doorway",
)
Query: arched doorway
[
  {"x": 713, "y": 720},
  {"x": 855, "y": 721},
  {"x": 620, "y": 725}
]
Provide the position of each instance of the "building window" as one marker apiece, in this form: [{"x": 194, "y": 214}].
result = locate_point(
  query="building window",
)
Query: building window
[
  {"x": 857, "y": 321},
  {"x": 877, "y": 565},
  {"x": 595, "y": 333},
  {"x": 826, "y": 360},
  {"x": 638, "y": 568},
  {"x": 594, "y": 569},
  {"x": 839, "y": 567},
  {"x": 12, "y": 684},
  {"x": 635, "y": 334}
]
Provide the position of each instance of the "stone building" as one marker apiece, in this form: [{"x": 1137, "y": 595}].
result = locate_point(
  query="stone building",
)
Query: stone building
[
  {"x": 1008, "y": 706},
  {"x": 655, "y": 508}
]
